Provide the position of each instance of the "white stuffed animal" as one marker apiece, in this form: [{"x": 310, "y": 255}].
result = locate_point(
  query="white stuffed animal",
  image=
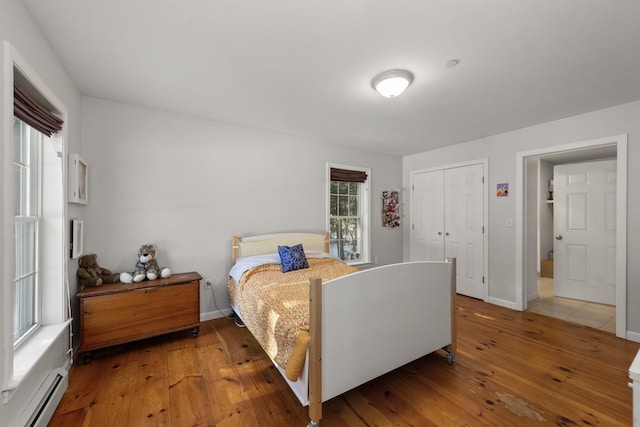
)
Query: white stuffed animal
[{"x": 146, "y": 267}]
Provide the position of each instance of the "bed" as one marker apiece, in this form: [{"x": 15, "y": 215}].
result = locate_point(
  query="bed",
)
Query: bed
[{"x": 335, "y": 327}]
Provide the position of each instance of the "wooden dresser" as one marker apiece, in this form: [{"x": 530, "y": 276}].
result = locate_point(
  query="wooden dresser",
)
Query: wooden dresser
[{"x": 116, "y": 313}]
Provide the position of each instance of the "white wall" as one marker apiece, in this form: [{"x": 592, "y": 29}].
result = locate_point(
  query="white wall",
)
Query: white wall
[
  {"x": 501, "y": 151},
  {"x": 17, "y": 28},
  {"x": 189, "y": 184}
]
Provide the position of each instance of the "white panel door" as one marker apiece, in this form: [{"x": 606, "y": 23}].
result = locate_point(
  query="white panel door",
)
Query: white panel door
[
  {"x": 585, "y": 231},
  {"x": 427, "y": 232},
  {"x": 464, "y": 219}
]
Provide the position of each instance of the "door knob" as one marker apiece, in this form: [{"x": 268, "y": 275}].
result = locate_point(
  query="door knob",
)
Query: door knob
[
  {"x": 439, "y": 233},
  {"x": 446, "y": 234},
  {"x": 558, "y": 236}
]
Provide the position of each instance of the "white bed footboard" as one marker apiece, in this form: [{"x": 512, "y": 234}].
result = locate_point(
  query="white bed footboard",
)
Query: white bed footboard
[
  {"x": 379, "y": 319},
  {"x": 372, "y": 321}
]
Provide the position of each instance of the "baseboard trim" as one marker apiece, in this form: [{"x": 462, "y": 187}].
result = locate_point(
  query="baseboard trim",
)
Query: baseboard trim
[
  {"x": 633, "y": 336},
  {"x": 503, "y": 303},
  {"x": 210, "y": 315},
  {"x": 533, "y": 295}
]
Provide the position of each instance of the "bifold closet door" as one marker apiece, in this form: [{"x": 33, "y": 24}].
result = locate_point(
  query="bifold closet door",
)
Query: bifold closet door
[
  {"x": 427, "y": 232},
  {"x": 464, "y": 219},
  {"x": 447, "y": 219}
]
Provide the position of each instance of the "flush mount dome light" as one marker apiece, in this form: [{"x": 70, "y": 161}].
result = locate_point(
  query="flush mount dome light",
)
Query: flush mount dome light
[{"x": 392, "y": 83}]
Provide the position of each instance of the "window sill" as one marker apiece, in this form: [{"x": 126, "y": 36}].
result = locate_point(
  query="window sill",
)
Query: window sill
[
  {"x": 29, "y": 353},
  {"x": 358, "y": 263}
]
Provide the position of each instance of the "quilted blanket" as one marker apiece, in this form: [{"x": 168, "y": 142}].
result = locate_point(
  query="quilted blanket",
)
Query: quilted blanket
[{"x": 275, "y": 306}]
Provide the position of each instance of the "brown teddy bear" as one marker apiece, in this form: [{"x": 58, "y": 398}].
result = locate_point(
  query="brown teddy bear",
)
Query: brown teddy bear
[{"x": 91, "y": 274}]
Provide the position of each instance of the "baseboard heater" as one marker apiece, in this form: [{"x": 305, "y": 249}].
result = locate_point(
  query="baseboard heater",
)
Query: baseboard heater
[{"x": 41, "y": 409}]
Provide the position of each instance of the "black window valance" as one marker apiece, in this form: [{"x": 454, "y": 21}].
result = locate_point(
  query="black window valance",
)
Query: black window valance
[
  {"x": 30, "y": 111},
  {"x": 346, "y": 175}
]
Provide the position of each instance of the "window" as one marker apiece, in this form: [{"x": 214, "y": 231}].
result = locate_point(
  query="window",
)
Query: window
[
  {"x": 26, "y": 224},
  {"x": 35, "y": 303},
  {"x": 348, "y": 213}
]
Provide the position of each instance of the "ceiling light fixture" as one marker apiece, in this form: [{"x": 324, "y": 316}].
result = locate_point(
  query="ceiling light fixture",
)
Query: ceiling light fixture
[{"x": 392, "y": 83}]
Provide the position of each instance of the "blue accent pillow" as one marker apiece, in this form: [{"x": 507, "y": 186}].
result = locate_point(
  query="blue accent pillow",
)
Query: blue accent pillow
[{"x": 292, "y": 258}]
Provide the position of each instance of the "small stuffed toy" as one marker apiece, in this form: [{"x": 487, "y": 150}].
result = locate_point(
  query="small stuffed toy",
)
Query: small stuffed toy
[
  {"x": 146, "y": 267},
  {"x": 91, "y": 274}
]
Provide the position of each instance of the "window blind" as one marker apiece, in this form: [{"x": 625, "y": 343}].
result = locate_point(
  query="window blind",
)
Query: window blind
[
  {"x": 346, "y": 175},
  {"x": 27, "y": 109}
]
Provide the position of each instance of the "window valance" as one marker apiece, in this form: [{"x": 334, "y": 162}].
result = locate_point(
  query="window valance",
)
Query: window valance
[
  {"x": 346, "y": 175},
  {"x": 27, "y": 109}
]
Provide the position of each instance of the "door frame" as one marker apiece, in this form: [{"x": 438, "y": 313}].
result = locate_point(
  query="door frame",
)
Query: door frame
[
  {"x": 485, "y": 220},
  {"x": 525, "y": 254}
]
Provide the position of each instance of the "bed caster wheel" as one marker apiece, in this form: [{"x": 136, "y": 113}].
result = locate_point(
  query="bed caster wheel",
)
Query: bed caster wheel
[
  {"x": 195, "y": 331},
  {"x": 450, "y": 358}
]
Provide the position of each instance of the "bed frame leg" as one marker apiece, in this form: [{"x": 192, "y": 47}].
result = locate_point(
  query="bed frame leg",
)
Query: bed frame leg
[
  {"x": 453, "y": 347},
  {"x": 315, "y": 351},
  {"x": 450, "y": 358}
]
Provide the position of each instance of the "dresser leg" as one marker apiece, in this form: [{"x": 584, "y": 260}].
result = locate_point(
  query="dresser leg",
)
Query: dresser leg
[
  {"x": 195, "y": 331},
  {"x": 86, "y": 358}
]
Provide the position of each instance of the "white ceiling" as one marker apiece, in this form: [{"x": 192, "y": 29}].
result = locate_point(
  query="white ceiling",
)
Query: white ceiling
[{"x": 304, "y": 67}]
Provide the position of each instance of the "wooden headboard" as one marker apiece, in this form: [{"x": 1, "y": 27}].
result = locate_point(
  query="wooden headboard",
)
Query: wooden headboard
[{"x": 268, "y": 243}]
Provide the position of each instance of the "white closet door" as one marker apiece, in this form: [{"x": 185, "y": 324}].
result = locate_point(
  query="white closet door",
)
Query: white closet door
[
  {"x": 427, "y": 232},
  {"x": 447, "y": 213},
  {"x": 464, "y": 219},
  {"x": 585, "y": 231}
]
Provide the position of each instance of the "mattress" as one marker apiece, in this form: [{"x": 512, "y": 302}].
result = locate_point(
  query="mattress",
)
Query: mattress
[{"x": 275, "y": 305}]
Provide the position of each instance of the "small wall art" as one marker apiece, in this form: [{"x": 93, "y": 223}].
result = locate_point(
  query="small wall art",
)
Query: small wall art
[
  {"x": 77, "y": 237},
  {"x": 503, "y": 190},
  {"x": 390, "y": 209},
  {"x": 78, "y": 185}
]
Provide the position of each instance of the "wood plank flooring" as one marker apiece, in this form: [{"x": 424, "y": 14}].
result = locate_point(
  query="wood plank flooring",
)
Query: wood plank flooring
[{"x": 512, "y": 368}]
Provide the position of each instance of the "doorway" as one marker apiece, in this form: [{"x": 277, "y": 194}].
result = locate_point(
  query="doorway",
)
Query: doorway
[
  {"x": 527, "y": 252},
  {"x": 576, "y": 240}
]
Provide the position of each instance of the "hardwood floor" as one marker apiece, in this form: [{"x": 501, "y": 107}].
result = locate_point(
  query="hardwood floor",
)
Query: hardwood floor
[{"x": 512, "y": 368}]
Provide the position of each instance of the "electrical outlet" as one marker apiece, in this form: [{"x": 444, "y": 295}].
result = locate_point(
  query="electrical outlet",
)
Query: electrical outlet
[{"x": 207, "y": 283}]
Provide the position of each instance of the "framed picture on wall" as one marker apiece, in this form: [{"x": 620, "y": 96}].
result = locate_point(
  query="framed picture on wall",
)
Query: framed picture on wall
[
  {"x": 77, "y": 237},
  {"x": 78, "y": 186},
  {"x": 391, "y": 209}
]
